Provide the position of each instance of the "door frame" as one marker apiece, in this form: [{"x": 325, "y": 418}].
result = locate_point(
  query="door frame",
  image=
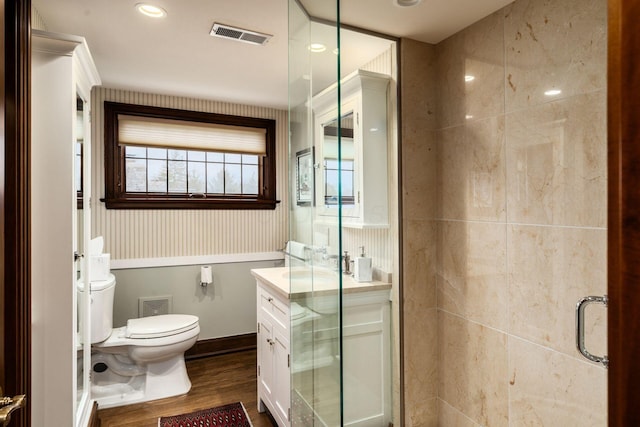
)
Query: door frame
[
  {"x": 15, "y": 250},
  {"x": 623, "y": 111}
]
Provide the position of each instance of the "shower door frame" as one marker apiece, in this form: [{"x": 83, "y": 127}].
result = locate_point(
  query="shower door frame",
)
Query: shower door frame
[{"x": 623, "y": 111}]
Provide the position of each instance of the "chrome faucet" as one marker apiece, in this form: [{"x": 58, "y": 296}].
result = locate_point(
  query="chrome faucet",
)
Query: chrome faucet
[{"x": 347, "y": 264}]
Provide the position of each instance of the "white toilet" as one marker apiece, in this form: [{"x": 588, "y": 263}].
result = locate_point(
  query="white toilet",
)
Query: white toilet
[{"x": 141, "y": 361}]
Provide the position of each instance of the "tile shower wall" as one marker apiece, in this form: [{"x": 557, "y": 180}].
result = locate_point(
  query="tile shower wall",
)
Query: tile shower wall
[
  {"x": 520, "y": 217},
  {"x": 419, "y": 314}
]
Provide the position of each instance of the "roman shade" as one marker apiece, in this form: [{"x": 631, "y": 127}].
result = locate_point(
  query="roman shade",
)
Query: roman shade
[{"x": 190, "y": 135}]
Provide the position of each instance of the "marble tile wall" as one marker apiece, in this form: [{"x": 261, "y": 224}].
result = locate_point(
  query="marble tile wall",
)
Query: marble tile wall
[
  {"x": 516, "y": 228},
  {"x": 419, "y": 233},
  {"x": 521, "y": 190}
]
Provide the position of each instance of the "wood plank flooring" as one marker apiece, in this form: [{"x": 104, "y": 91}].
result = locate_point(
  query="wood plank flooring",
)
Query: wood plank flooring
[{"x": 215, "y": 381}]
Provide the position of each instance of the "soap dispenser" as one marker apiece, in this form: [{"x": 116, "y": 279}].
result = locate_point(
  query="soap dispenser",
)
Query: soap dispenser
[{"x": 362, "y": 267}]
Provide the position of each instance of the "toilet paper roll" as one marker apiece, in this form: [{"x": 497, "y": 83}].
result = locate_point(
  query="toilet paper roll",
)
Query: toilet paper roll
[{"x": 206, "y": 274}]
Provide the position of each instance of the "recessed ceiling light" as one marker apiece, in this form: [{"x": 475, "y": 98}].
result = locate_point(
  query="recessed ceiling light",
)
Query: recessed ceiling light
[
  {"x": 469, "y": 78},
  {"x": 151, "y": 10},
  {"x": 317, "y": 47},
  {"x": 407, "y": 3},
  {"x": 553, "y": 92},
  {"x": 468, "y": 117}
]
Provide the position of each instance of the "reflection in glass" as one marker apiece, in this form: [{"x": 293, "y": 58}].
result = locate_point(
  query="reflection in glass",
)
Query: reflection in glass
[{"x": 338, "y": 161}]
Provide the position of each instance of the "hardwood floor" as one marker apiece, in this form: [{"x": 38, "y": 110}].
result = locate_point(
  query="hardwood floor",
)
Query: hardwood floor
[{"x": 215, "y": 381}]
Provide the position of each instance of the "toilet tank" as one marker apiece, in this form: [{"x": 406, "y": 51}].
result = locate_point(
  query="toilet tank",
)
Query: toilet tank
[{"x": 102, "y": 292}]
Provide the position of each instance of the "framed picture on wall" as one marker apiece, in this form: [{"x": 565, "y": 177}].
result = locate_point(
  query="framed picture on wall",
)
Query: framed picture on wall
[{"x": 304, "y": 177}]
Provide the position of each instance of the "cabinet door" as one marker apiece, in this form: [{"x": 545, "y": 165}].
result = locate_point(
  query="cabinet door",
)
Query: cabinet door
[
  {"x": 265, "y": 360},
  {"x": 282, "y": 385}
]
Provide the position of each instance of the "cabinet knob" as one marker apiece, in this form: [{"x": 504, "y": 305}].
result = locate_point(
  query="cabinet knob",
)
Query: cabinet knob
[
  {"x": 270, "y": 299},
  {"x": 270, "y": 341}
]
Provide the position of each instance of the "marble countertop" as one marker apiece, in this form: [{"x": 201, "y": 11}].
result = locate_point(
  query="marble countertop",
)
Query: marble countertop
[{"x": 288, "y": 281}]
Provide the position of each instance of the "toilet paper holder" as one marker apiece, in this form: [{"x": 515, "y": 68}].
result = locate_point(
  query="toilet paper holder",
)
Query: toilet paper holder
[{"x": 206, "y": 276}]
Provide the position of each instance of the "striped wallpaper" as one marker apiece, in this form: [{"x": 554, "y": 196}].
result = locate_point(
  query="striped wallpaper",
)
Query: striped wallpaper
[
  {"x": 37, "y": 23},
  {"x": 133, "y": 233}
]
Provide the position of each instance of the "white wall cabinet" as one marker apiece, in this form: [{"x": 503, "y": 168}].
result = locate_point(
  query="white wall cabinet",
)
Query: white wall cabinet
[
  {"x": 363, "y": 151},
  {"x": 62, "y": 76}
]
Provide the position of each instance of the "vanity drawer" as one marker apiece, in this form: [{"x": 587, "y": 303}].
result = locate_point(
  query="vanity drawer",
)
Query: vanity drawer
[{"x": 273, "y": 307}]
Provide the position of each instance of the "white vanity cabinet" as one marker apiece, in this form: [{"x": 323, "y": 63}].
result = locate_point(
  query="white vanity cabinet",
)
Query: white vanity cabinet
[
  {"x": 361, "y": 160},
  {"x": 273, "y": 354},
  {"x": 365, "y": 353}
]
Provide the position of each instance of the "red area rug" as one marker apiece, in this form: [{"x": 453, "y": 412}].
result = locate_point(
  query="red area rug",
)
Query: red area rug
[{"x": 231, "y": 415}]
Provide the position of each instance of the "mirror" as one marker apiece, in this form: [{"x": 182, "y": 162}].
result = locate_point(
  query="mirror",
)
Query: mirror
[{"x": 338, "y": 163}]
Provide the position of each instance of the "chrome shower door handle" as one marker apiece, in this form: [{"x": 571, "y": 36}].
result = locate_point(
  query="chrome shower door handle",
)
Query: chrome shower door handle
[{"x": 580, "y": 307}]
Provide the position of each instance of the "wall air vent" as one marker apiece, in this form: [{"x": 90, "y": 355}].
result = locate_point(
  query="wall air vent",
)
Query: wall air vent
[
  {"x": 227, "y": 32},
  {"x": 154, "y": 306}
]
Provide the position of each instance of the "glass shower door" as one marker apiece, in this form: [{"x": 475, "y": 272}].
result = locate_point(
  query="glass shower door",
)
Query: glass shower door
[{"x": 315, "y": 242}]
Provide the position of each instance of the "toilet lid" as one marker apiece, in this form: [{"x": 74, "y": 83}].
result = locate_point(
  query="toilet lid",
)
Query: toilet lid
[{"x": 160, "y": 326}]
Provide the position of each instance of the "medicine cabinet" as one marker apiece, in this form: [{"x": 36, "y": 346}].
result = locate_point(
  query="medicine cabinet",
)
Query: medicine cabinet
[{"x": 357, "y": 160}]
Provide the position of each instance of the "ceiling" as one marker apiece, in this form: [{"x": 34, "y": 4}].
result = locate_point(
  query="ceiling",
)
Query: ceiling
[{"x": 176, "y": 55}]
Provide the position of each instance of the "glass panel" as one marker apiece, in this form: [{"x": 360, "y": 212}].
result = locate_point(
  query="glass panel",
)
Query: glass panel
[
  {"x": 136, "y": 171},
  {"x": 249, "y": 179},
  {"x": 197, "y": 155},
  {"x": 249, "y": 159},
  {"x": 157, "y": 176},
  {"x": 332, "y": 384},
  {"x": 197, "y": 178},
  {"x": 314, "y": 266},
  {"x": 140, "y": 152},
  {"x": 232, "y": 179},
  {"x": 215, "y": 157},
  {"x": 233, "y": 158},
  {"x": 215, "y": 178},
  {"x": 177, "y": 176},
  {"x": 157, "y": 153},
  {"x": 177, "y": 155}
]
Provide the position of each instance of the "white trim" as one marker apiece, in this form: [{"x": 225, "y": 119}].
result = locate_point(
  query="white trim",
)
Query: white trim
[
  {"x": 121, "y": 264},
  {"x": 84, "y": 414}
]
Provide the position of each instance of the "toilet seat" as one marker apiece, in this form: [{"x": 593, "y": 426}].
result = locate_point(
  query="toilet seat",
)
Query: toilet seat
[
  {"x": 159, "y": 326},
  {"x": 165, "y": 329}
]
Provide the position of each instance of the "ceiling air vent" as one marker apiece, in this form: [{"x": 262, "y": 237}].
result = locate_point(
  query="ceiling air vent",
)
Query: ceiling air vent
[{"x": 227, "y": 32}]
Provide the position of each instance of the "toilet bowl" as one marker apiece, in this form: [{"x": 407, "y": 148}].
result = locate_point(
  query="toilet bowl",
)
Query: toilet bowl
[{"x": 141, "y": 361}]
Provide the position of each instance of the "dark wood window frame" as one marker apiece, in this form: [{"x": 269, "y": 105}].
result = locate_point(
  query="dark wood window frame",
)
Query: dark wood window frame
[{"x": 117, "y": 198}]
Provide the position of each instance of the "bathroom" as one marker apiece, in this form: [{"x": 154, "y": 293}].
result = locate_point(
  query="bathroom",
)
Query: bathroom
[{"x": 497, "y": 213}]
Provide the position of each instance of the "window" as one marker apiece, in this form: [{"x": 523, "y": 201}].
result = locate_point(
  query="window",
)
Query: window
[{"x": 160, "y": 158}]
